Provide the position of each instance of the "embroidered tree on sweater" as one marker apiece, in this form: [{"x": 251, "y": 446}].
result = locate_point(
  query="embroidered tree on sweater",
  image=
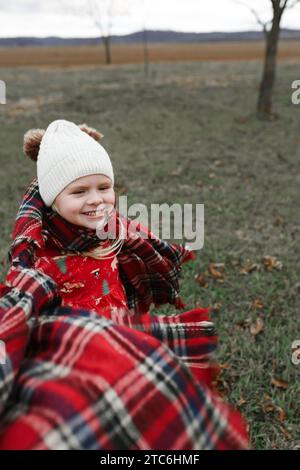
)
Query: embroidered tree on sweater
[
  {"x": 105, "y": 287},
  {"x": 61, "y": 263}
]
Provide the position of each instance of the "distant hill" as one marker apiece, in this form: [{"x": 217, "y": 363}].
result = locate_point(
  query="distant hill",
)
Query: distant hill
[{"x": 152, "y": 36}]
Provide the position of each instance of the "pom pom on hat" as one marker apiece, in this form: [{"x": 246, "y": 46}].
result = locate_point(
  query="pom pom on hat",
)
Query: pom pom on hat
[
  {"x": 65, "y": 152},
  {"x": 33, "y": 138},
  {"x": 96, "y": 135},
  {"x": 32, "y": 142}
]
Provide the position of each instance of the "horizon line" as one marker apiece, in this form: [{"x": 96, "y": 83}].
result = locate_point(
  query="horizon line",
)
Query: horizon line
[{"x": 147, "y": 30}]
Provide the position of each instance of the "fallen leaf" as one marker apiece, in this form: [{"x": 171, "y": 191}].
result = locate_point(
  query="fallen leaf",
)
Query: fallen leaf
[
  {"x": 257, "y": 304},
  {"x": 281, "y": 414},
  {"x": 278, "y": 221},
  {"x": 249, "y": 267},
  {"x": 216, "y": 274},
  {"x": 221, "y": 386},
  {"x": 241, "y": 400},
  {"x": 200, "y": 279},
  {"x": 268, "y": 407},
  {"x": 258, "y": 327},
  {"x": 270, "y": 263},
  {"x": 267, "y": 397},
  {"x": 279, "y": 383}
]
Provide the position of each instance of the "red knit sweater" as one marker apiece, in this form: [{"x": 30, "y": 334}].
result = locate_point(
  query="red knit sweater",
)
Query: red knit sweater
[{"x": 84, "y": 281}]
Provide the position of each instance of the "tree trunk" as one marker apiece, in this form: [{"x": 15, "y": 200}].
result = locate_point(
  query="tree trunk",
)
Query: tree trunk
[
  {"x": 146, "y": 53},
  {"x": 106, "y": 40},
  {"x": 264, "y": 104}
]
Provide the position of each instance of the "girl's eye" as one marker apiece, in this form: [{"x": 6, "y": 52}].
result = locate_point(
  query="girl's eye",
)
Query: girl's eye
[{"x": 101, "y": 189}]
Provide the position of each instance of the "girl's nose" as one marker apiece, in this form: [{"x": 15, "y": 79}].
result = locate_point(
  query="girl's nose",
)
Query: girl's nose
[{"x": 94, "y": 197}]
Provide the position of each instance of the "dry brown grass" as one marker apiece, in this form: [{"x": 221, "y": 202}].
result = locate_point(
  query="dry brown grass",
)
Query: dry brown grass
[{"x": 121, "y": 54}]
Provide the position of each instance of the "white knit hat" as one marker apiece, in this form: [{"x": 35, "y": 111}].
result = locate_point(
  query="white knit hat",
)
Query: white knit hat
[{"x": 67, "y": 153}]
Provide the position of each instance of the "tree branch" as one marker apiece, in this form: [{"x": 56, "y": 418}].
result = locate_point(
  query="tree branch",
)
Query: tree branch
[
  {"x": 292, "y": 4},
  {"x": 283, "y": 5},
  {"x": 264, "y": 24},
  {"x": 286, "y": 5},
  {"x": 110, "y": 16},
  {"x": 92, "y": 6},
  {"x": 95, "y": 13}
]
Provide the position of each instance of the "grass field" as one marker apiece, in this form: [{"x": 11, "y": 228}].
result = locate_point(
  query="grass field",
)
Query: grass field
[
  {"x": 188, "y": 134},
  {"x": 133, "y": 53}
]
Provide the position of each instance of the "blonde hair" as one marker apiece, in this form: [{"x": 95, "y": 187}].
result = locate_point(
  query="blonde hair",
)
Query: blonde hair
[{"x": 105, "y": 252}]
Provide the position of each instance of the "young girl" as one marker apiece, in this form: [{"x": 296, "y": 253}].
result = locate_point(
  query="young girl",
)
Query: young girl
[
  {"x": 75, "y": 261},
  {"x": 118, "y": 278}
]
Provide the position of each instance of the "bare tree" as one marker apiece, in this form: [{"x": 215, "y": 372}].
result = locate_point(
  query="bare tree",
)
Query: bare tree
[
  {"x": 145, "y": 40},
  {"x": 146, "y": 52},
  {"x": 272, "y": 32},
  {"x": 102, "y": 12}
]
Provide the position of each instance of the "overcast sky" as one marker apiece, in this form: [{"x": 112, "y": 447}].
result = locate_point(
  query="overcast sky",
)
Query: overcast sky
[{"x": 69, "y": 18}]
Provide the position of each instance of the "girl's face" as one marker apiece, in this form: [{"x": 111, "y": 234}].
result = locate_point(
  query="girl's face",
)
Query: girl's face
[{"x": 86, "y": 194}]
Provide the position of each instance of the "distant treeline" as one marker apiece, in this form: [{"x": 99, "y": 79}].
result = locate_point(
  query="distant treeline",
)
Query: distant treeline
[{"x": 152, "y": 37}]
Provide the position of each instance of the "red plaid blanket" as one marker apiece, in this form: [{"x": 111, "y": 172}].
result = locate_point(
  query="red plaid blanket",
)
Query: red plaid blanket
[
  {"x": 71, "y": 379},
  {"x": 75, "y": 380}
]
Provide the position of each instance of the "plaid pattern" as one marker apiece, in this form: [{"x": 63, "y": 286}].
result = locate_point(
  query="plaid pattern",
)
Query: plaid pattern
[
  {"x": 149, "y": 267},
  {"x": 75, "y": 380}
]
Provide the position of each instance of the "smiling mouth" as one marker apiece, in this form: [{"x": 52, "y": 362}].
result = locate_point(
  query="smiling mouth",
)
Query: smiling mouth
[{"x": 93, "y": 213}]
